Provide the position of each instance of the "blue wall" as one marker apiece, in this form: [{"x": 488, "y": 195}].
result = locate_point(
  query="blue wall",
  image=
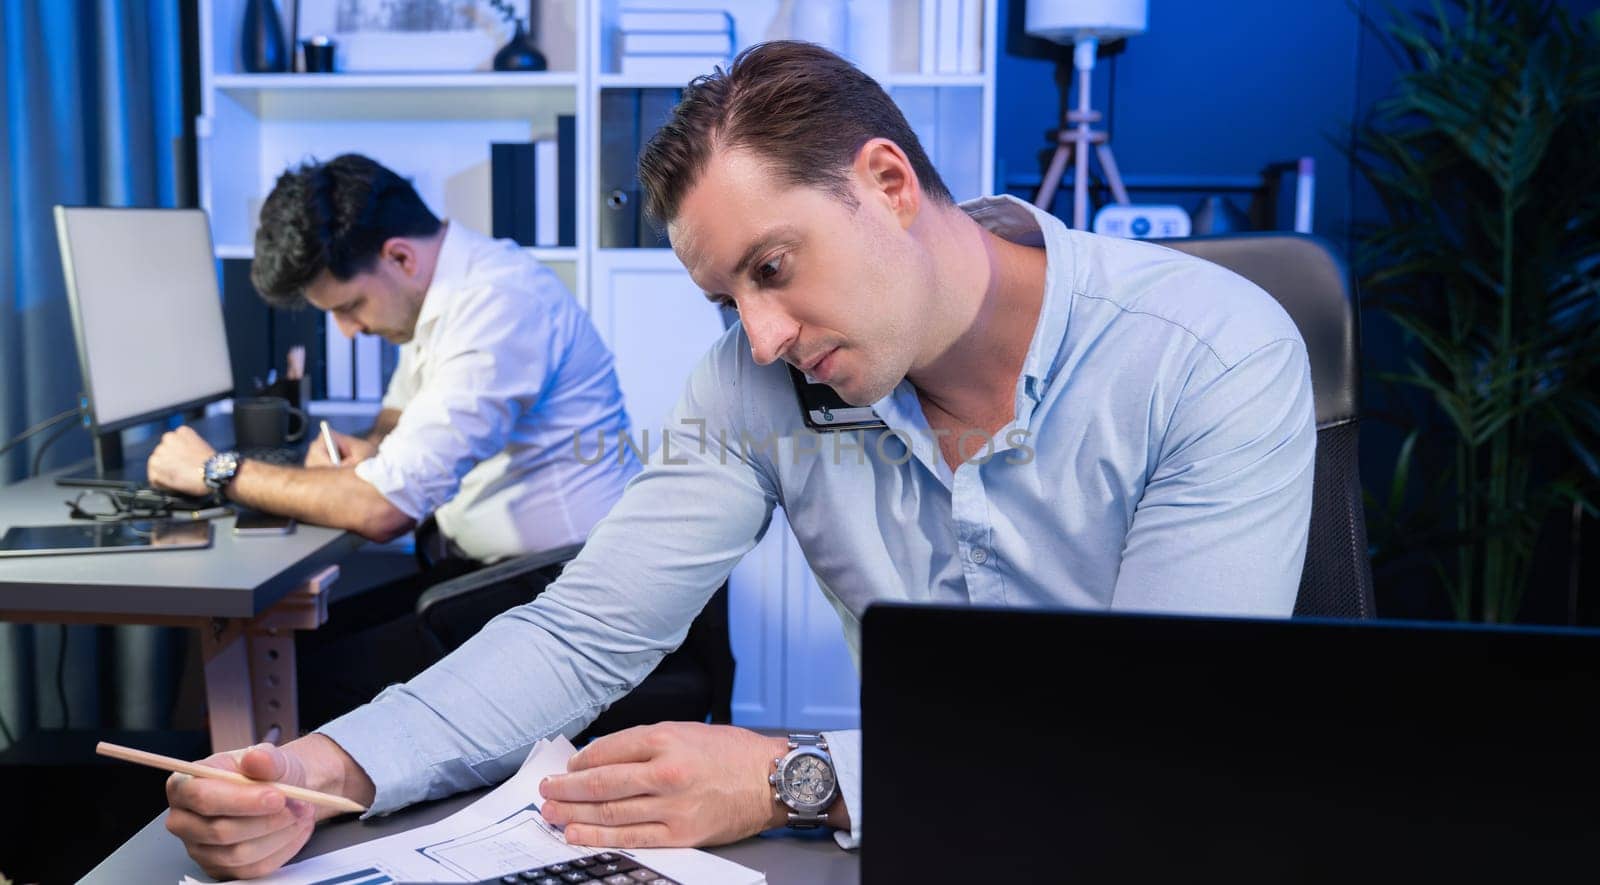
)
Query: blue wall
[
  {"x": 1214, "y": 89},
  {"x": 1211, "y": 89}
]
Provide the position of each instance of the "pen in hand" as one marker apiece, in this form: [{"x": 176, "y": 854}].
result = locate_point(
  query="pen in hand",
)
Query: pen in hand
[{"x": 327, "y": 440}]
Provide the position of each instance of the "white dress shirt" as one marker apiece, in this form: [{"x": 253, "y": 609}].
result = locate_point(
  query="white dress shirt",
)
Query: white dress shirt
[{"x": 504, "y": 371}]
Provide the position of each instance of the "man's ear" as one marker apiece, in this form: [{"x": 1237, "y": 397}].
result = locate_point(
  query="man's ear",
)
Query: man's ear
[
  {"x": 885, "y": 172},
  {"x": 403, "y": 253}
]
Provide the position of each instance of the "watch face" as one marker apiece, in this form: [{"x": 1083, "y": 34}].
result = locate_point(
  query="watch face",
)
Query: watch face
[{"x": 808, "y": 782}]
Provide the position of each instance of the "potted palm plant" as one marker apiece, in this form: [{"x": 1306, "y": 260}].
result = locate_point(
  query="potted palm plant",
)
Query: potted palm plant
[{"x": 1486, "y": 158}]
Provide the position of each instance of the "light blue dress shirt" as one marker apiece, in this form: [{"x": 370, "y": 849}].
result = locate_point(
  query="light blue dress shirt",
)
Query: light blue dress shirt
[{"x": 1160, "y": 459}]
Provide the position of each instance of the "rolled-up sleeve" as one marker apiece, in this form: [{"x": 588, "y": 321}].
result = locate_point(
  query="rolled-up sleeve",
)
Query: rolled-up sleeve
[
  {"x": 553, "y": 665},
  {"x": 492, "y": 366}
]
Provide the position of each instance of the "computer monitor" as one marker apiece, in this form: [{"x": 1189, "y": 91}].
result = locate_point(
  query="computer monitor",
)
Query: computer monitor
[{"x": 147, "y": 313}]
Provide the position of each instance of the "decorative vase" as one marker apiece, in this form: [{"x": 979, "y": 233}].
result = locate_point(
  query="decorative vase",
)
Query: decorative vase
[
  {"x": 521, "y": 53},
  {"x": 261, "y": 44}
]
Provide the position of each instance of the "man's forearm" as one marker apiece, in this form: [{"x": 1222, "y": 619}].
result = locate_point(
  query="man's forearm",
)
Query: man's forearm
[
  {"x": 329, "y": 769},
  {"x": 331, "y": 496}
]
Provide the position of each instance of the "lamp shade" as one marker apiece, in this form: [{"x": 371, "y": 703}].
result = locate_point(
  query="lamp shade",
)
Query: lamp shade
[{"x": 1065, "y": 21}]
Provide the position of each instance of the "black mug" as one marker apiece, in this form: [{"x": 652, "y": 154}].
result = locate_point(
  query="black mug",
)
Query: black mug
[{"x": 262, "y": 422}]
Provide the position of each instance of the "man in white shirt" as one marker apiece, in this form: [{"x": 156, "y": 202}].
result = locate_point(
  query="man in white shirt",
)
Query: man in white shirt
[{"x": 500, "y": 370}]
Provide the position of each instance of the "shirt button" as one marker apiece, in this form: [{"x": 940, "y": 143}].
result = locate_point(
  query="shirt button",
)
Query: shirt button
[{"x": 980, "y": 555}]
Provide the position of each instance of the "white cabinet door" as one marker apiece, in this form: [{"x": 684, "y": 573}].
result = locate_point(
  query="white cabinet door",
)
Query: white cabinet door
[{"x": 793, "y": 667}]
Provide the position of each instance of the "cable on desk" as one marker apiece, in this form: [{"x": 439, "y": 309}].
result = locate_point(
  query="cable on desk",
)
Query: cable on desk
[
  {"x": 38, "y": 457},
  {"x": 42, "y": 425}
]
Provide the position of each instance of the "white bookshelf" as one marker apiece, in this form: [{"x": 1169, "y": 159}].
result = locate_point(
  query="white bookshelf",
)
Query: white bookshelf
[{"x": 435, "y": 128}]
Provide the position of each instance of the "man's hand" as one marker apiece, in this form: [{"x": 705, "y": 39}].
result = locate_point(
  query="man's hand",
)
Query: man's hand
[
  {"x": 243, "y": 830},
  {"x": 352, "y": 450},
  {"x": 179, "y": 462},
  {"x": 671, "y": 784},
  {"x": 235, "y": 831}
]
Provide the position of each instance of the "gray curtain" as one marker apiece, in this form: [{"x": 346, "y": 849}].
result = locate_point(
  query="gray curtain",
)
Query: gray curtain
[{"x": 91, "y": 112}]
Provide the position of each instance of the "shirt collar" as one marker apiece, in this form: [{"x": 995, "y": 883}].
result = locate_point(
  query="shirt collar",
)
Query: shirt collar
[
  {"x": 448, "y": 271},
  {"x": 1011, "y": 219}
]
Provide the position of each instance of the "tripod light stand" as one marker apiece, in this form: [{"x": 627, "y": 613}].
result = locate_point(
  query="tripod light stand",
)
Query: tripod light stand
[{"x": 1084, "y": 23}]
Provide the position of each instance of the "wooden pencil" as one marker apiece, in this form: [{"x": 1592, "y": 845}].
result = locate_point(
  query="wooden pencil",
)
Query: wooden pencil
[{"x": 167, "y": 763}]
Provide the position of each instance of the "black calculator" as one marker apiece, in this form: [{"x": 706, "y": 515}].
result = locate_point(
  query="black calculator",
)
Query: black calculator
[{"x": 612, "y": 869}]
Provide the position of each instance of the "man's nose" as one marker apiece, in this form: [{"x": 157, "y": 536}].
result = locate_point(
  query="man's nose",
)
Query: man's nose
[
  {"x": 347, "y": 326},
  {"x": 770, "y": 330}
]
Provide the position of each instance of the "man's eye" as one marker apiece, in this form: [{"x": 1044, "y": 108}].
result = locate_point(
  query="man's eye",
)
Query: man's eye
[{"x": 768, "y": 270}]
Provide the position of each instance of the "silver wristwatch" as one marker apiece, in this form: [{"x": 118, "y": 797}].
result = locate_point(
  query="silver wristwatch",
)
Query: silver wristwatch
[
  {"x": 220, "y": 469},
  {"x": 805, "y": 781}
]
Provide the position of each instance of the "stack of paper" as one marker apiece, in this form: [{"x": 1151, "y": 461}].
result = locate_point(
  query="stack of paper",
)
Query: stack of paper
[
  {"x": 673, "y": 44},
  {"x": 500, "y": 834}
]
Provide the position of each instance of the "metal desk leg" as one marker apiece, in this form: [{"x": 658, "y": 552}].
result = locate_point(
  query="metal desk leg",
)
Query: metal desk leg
[{"x": 249, "y": 665}]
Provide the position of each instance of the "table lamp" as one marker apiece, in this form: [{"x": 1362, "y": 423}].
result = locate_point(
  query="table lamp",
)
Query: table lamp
[{"x": 1084, "y": 23}]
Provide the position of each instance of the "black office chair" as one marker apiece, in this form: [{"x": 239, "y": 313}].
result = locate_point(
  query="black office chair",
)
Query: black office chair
[
  {"x": 1313, "y": 285},
  {"x": 693, "y": 683}
]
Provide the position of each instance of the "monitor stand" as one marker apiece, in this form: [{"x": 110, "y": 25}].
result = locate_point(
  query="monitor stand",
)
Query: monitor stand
[{"x": 109, "y": 471}]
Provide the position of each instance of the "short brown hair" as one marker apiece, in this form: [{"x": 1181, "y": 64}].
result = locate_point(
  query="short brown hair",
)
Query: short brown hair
[{"x": 796, "y": 105}]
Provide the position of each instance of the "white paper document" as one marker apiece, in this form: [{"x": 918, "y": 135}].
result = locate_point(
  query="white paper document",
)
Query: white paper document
[{"x": 499, "y": 834}]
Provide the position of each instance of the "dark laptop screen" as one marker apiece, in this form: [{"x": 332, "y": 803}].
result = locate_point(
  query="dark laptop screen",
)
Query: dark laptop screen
[{"x": 1072, "y": 747}]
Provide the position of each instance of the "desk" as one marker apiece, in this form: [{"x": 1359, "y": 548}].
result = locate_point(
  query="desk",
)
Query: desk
[
  {"x": 246, "y": 596},
  {"x": 788, "y": 858}
]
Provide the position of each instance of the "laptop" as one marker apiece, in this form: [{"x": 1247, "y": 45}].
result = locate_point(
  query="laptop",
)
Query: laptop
[{"x": 1008, "y": 745}]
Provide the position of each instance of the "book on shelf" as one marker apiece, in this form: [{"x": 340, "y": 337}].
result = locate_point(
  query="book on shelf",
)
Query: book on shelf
[
  {"x": 971, "y": 61},
  {"x": 533, "y": 190},
  {"x": 951, "y": 36},
  {"x": 547, "y": 190},
  {"x": 671, "y": 67},
  {"x": 629, "y": 20},
  {"x": 677, "y": 43},
  {"x": 513, "y": 191},
  {"x": 567, "y": 165}
]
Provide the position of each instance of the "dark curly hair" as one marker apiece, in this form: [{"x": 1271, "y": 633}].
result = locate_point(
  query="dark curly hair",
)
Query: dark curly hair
[
  {"x": 803, "y": 109},
  {"x": 332, "y": 216}
]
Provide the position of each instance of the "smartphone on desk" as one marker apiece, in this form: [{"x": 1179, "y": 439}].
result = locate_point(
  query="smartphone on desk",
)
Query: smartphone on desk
[{"x": 250, "y": 523}]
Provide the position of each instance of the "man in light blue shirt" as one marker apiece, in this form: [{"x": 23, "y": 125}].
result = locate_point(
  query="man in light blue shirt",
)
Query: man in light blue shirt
[{"x": 1070, "y": 420}]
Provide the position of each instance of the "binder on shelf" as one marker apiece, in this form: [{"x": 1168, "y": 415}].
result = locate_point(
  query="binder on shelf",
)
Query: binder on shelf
[
  {"x": 655, "y": 108},
  {"x": 369, "y": 367},
  {"x": 617, "y": 185},
  {"x": 567, "y": 163},
  {"x": 630, "y": 20},
  {"x": 628, "y": 118},
  {"x": 513, "y": 177}
]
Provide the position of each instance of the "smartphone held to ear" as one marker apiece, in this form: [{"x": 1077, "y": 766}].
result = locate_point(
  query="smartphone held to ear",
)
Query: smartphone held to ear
[{"x": 251, "y": 523}]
